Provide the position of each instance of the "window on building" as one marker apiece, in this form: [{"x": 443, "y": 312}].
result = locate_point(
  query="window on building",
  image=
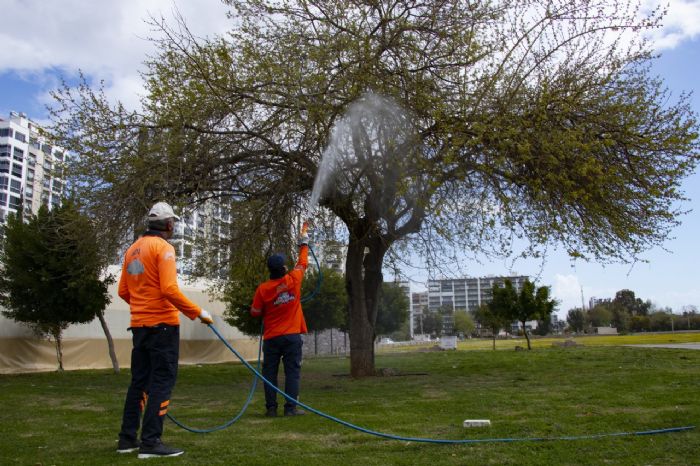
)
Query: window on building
[
  {"x": 3, "y": 199},
  {"x": 4, "y": 182},
  {"x": 20, "y": 136},
  {"x": 5, "y": 150},
  {"x": 55, "y": 201},
  {"x": 47, "y": 148},
  {"x": 4, "y": 166},
  {"x": 15, "y": 203},
  {"x": 30, "y": 174},
  {"x": 31, "y": 160},
  {"x": 17, "y": 169},
  {"x": 57, "y": 185},
  {"x": 59, "y": 156},
  {"x": 16, "y": 186},
  {"x": 28, "y": 193},
  {"x": 17, "y": 154},
  {"x": 5, "y": 133}
]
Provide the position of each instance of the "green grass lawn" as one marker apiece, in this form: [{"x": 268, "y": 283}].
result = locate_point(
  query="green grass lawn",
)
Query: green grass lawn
[
  {"x": 73, "y": 418},
  {"x": 546, "y": 342}
]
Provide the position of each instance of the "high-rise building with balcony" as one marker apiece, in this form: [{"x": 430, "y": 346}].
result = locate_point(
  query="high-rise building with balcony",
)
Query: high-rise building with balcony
[{"x": 31, "y": 167}]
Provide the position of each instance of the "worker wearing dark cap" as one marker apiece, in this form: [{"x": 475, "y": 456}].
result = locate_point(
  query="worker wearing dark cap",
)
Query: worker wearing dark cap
[{"x": 278, "y": 302}]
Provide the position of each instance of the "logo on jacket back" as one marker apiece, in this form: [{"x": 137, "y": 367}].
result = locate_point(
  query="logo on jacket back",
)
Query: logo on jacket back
[
  {"x": 284, "y": 298},
  {"x": 135, "y": 267}
]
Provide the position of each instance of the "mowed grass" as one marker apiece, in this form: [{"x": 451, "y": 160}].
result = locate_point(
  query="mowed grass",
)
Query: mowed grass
[
  {"x": 546, "y": 342},
  {"x": 73, "y": 418}
]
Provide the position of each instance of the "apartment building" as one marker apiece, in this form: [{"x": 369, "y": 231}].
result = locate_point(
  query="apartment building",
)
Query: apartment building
[
  {"x": 31, "y": 168},
  {"x": 419, "y": 306},
  {"x": 466, "y": 293},
  {"x": 209, "y": 226}
]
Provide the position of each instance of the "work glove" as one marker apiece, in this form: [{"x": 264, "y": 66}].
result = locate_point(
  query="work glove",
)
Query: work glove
[
  {"x": 205, "y": 317},
  {"x": 303, "y": 240}
]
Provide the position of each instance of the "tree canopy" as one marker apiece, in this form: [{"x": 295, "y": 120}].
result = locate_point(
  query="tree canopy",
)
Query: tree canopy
[
  {"x": 50, "y": 272},
  {"x": 491, "y": 318},
  {"x": 454, "y": 126},
  {"x": 527, "y": 303},
  {"x": 393, "y": 309},
  {"x": 328, "y": 306}
]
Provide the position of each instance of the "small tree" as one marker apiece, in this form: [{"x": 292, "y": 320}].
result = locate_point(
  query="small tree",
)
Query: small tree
[
  {"x": 529, "y": 304},
  {"x": 327, "y": 306},
  {"x": 577, "y": 319},
  {"x": 488, "y": 316},
  {"x": 432, "y": 323},
  {"x": 463, "y": 322},
  {"x": 50, "y": 274},
  {"x": 600, "y": 316},
  {"x": 392, "y": 311},
  {"x": 625, "y": 299}
]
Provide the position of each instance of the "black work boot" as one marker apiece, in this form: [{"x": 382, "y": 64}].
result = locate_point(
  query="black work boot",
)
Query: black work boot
[
  {"x": 158, "y": 450},
  {"x": 294, "y": 411}
]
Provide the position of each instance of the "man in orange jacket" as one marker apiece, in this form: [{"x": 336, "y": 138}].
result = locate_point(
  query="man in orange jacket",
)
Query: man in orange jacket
[
  {"x": 149, "y": 284},
  {"x": 278, "y": 301}
]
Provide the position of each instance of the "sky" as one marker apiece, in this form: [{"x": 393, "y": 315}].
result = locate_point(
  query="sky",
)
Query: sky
[{"x": 44, "y": 42}]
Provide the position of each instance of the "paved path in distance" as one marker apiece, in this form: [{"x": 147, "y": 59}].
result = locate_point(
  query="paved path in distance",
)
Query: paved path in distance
[{"x": 694, "y": 346}]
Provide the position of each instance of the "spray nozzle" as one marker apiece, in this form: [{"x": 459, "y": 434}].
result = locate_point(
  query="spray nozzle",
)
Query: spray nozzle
[{"x": 304, "y": 228}]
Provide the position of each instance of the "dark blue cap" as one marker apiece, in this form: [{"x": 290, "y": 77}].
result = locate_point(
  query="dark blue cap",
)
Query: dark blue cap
[{"x": 276, "y": 262}]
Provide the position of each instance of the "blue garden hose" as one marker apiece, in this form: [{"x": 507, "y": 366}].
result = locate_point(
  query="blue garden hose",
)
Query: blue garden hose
[
  {"x": 231, "y": 421},
  {"x": 441, "y": 441}
]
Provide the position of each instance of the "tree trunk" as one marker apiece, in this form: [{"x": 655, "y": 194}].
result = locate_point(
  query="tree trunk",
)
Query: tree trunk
[
  {"x": 110, "y": 342},
  {"x": 316, "y": 342},
  {"x": 527, "y": 337},
  {"x": 56, "y": 333},
  {"x": 363, "y": 278},
  {"x": 332, "y": 341},
  {"x": 494, "y": 341}
]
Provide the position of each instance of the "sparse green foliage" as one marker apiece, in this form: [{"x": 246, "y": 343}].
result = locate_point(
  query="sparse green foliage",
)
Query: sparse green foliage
[
  {"x": 529, "y": 303},
  {"x": 600, "y": 315},
  {"x": 50, "y": 273},
  {"x": 327, "y": 308},
  {"x": 539, "y": 119},
  {"x": 628, "y": 302},
  {"x": 490, "y": 318},
  {"x": 464, "y": 323},
  {"x": 577, "y": 320},
  {"x": 432, "y": 323},
  {"x": 393, "y": 309}
]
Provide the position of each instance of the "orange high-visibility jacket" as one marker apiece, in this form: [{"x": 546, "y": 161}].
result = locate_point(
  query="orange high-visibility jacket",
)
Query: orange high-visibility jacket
[
  {"x": 279, "y": 301},
  {"x": 149, "y": 284}
]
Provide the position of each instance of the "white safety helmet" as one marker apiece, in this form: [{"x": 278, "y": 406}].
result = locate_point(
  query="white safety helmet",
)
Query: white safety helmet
[{"x": 161, "y": 211}]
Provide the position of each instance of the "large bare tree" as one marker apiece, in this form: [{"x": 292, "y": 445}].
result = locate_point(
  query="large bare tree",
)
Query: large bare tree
[{"x": 450, "y": 123}]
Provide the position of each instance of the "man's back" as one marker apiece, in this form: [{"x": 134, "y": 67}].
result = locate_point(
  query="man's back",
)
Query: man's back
[{"x": 149, "y": 284}]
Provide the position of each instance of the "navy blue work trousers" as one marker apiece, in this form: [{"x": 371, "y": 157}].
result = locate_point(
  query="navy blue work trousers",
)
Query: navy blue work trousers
[
  {"x": 288, "y": 349},
  {"x": 154, "y": 360}
]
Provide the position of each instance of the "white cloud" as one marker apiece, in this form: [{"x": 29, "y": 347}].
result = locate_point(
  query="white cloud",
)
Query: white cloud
[
  {"x": 106, "y": 40},
  {"x": 567, "y": 290},
  {"x": 681, "y": 23}
]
